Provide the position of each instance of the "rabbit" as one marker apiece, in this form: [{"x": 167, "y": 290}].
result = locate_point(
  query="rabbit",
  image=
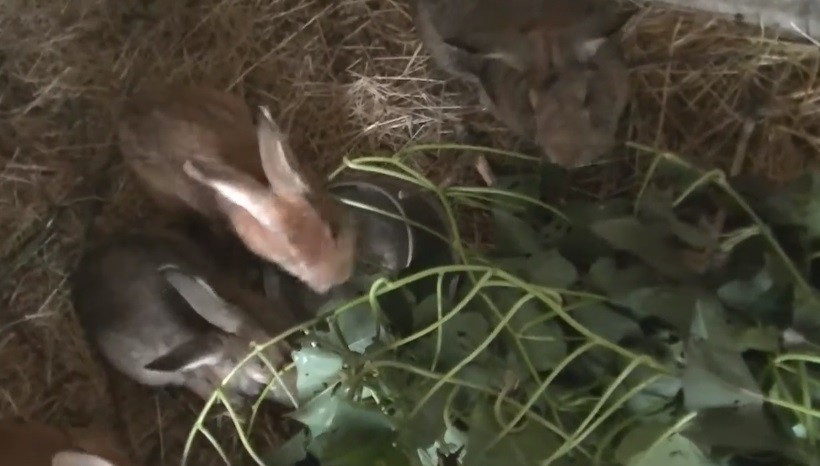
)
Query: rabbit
[
  {"x": 414, "y": 236},
  {"x": 160, "y": 313},
  {"x": 38, "y": 444},
  {"x": 576, "y": 112},
  {"x": 197, "y": 150},
  {"x": 497, "y": 29},
  {"x": 546, "y": 74}
]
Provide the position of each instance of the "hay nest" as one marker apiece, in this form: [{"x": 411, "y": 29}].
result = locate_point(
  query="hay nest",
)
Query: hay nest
[{"x": 347, "y": 77}]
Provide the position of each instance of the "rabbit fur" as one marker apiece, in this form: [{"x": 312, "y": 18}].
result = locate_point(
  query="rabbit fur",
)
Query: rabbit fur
[
  {"x": 38, "y": 444},
  {"x": 161, "y": 314},
  {"x": 550, "y": 70},
  {"x": 576, "y": 113},
  {"x": 197, "y": 149}
]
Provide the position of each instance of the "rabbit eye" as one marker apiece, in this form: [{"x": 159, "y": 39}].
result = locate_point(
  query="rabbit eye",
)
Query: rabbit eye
[{"x": 334, "y": 227}]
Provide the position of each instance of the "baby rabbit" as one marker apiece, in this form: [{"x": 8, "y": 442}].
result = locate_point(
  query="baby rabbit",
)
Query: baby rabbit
[
  {"x": 159, "y": 313},
  {"x": 497, "y": 29},
  {"x": 197, "y": 149},
  {"x": 36, "y": 444},
  {"x": 548, "y": 69},
  {"x": 577, "y": 109}
]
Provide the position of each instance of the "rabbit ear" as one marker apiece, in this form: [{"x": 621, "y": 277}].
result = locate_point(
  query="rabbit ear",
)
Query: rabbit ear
[
  {"x": 193, "y": 354},
  {"x": 533, "y": 96},
  {"x": 278, "y": 163},
  {"x": 587, "y": 49},
  {"x": 466, "y": 57},
  {"x": 203, "y": 299},
  {"x": 245, "y": 193},
  {"x": 76, "y": 458}
]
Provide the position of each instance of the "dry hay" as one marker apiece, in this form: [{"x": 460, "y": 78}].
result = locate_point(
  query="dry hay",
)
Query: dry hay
[{"x": 348, "y": 76}]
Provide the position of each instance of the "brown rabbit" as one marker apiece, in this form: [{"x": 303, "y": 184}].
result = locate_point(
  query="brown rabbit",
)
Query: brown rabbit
[
  {"x": 548, "y": 69},
  {"x": 577, "y": 101},
  {"x": 37, "y": 444},
  {"x": 196, "y": 149}
]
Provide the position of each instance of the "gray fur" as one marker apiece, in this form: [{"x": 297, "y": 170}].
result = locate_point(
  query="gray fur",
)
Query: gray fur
[{"x": 146, "y": 303}]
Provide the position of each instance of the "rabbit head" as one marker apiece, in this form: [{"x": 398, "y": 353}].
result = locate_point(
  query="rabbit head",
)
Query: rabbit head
[
  {"x": 293, "y": 222},
  {"x": 564, "y": 126},
  {"x": 213, "y": 355},
  {"x": 575, "y": 107}
]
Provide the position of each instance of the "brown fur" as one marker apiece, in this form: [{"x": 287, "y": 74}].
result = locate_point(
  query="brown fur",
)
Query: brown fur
[
  {"x": 577, "y": 95},
  {"x": 34, "y": 444},
  {"x": 196, "y": 148},
  {"x": 161, "y": 128}
]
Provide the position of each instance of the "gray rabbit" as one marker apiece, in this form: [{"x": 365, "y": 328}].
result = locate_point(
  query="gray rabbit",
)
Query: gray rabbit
[
  {"x": 551, "y": 70},
  {"x": 161, "y": 314}
]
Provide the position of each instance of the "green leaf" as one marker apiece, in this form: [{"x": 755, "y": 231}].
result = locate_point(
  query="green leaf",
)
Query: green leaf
[
  {"x": 605, "y": 322},
  {"x": 755, "y": 338},
  {"x": 316, "y": 369},
  {"x": 524, "y": 447},
  {"x": 656, "y": 395},
  {"x": 806, "y": 320},
  {"x": 648, "y": 244},
  {"x": 426, "y": 312},
  {"x": 330, "y": 410},
  {"x": 583, "y": 213},
  {"x": 427, "y": 426},
  {"x": 716, "y": 375},
  {"x": 797, "y": 203},
  {"x": 355, "y": 447},
  {"x": 746, "y": 429},
  {"x": 674, "y": 305},
  {"x": 762, "y": 296},
  {"x": 460, "y": 336},
  {"x": 580, "y": 244},
  {"x": 641, "y": 447},
  {"x": 360, "y": 327},
  {"x": 529, "y": 387},
  {"x": 741, "y": 293},
  {"x": 637, "y": 440},
  {"x": 488, "y": 373},
  {"x": 512, "y": 235},
  {"x": 543, "y": 340},
  {"x": 346, "y": 433},
  {"x": 607, "y": 277},
  {"x": 317, "y": 415},
  {"x": 661, "y": 393},
  {"x": 526, "y": 184},
  {"x": 657, "y": 207},
  {"x": 546, "y": 268},
  {"x": 550, "y": 269},
  {"x": 290, "y": 452}
]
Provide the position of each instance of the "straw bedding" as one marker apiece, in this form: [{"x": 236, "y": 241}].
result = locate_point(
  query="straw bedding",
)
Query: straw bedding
[{"x": 347, "y": 76}]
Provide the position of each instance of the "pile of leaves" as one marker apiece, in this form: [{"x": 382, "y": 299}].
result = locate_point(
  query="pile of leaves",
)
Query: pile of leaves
[{"x": 679, "y": 325}]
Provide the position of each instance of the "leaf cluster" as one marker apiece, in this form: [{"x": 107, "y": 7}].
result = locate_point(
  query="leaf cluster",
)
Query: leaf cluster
[{"x": 676, "y": 326}]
